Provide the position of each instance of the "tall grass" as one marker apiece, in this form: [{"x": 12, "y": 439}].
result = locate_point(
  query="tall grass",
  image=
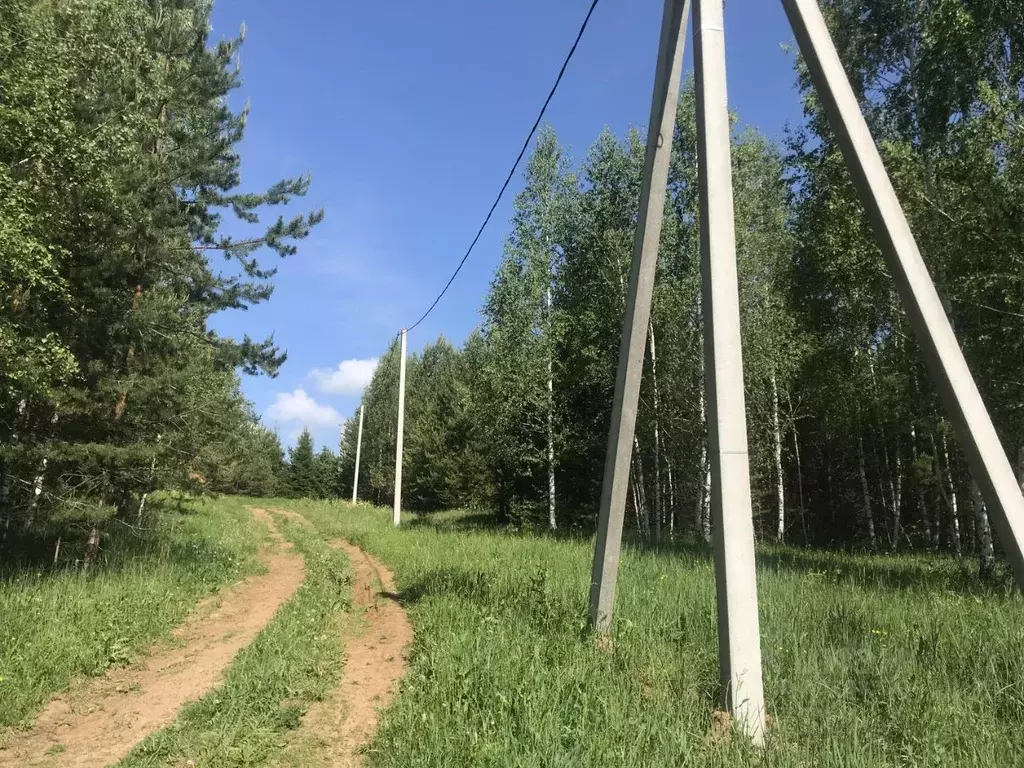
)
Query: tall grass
[
  {"x": 58, "y": 624},
  {"x": 869, "y": 661}
]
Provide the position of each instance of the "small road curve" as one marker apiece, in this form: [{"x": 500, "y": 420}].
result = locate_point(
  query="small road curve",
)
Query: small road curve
[{"x": 99, "y": 722}]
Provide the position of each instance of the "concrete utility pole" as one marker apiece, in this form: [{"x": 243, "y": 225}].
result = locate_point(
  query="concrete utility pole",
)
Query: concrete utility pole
[
  {"x": 359, "y": 450},
  {"x": 401, "y": 431},
  {"x": 638, "y": 312},
  {"x": 989, "y": 464},
  {"x": 739, "y": 636}
]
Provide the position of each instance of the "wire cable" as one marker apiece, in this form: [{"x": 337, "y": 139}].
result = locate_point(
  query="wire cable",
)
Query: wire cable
[{"x": 515, "y": 165}]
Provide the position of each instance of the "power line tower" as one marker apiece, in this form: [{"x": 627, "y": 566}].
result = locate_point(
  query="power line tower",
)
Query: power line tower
[{"x": 738, "y": 625}]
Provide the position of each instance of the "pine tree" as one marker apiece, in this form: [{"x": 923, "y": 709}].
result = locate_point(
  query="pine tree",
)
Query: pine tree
[{"x": 118, "y": 155}]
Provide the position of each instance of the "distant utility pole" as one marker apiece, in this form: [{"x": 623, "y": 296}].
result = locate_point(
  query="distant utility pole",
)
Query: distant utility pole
[
  {"x": 989, "y": 464},
  {"x": 401, "y": 430},
  {"x": 638, "y": 312},
  {"x": 359, "y": 450}
]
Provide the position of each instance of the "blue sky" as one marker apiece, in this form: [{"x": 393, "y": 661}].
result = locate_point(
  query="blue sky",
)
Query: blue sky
[{"x": 408, "y": 115}]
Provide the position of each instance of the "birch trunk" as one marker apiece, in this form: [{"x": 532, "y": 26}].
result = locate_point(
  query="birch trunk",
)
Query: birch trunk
[
  {"x": 897, "y": 523},
  {"x": 706, "y": 500},
  {"x": 831, "y": 489},
  {"x": 703, "y": 514},
  {"x": 142, "y": 506},
  {"x": 869, "y": 515},
  {"x": 780, "y": 532},
  {"x": 893, "y": 503},
  {"x": 5, "y": 475},
  {"x": 152, "y": 472},
  {"x": 671, "y": 501},
  {"x": 632, "y": 492},
  {"x": 658, "y": 498},
  {"x": 37, "y": 491},
  {"x": 922, "y": 504},
  {"x": 92, "y": 548},
  {"x": 643, "y": 511},
  {"x": 953, "y": 507},
  {"x": 986, "y": 552},
  {"x": 940, "y": 483},
  {"x": 799, "y": 483},
  {"x": 552, "y": 520}
]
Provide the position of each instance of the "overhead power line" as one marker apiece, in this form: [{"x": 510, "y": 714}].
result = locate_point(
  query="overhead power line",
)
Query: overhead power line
[{"x": 515, "y": 165}]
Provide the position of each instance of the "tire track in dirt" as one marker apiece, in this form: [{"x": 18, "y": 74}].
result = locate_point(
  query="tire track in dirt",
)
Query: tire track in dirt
[
  {"x": 100, "y": 722},
  {"x": 341, "y": 726}
]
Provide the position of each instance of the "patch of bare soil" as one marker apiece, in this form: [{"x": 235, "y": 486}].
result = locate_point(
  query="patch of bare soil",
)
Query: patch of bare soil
[
  {"x": 102, "y": 720},
  {"x": 338, "y": 729}
]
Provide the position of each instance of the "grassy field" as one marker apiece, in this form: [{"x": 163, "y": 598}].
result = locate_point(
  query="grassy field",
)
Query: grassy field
[
  {"x": 869, "y": 661},
  {"x": 56, "y": 624}
]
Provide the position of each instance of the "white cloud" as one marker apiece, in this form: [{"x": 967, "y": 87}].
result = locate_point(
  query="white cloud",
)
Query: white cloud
[
  {"x": 349, "y": 378},
  {"x": 298, "y": 407}
]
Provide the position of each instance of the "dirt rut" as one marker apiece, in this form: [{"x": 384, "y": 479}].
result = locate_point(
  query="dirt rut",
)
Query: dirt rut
[
  {"x": 99, "y": 723},
  {"x": 341, "y": 726}
]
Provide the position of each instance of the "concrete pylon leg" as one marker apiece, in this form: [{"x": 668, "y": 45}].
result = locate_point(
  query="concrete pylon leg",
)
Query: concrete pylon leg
[
  {"x": 739, "y": 637},
  {"x": 397, "y": 517},
  {"x": 975, "y": 432},
  {"x": 638, "y": 312}
]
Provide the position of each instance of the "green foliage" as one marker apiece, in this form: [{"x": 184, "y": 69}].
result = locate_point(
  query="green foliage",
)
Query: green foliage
[
  {"x": 536, "y": 380},
  {"x": 246, "y": 459},
  {"x": 303, "y": 475},
  {"x": 942, "y": 92},
  {"x": 520, "y": 334},
  {"x": 441, "y": 426},
  {"x": 311, "y": 475},
  {"x": 346, "y": 461},
  {"x": 848, "y": 444},
  {"x": 118, "y": 160},
  {"x": 59, "y": 625},
  {"x": 326, "y": 473}
]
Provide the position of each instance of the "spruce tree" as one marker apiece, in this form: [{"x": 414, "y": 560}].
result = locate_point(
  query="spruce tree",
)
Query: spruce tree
[
  {"x": 303, "y": 477},
  {"x": 326, "y": 466}
]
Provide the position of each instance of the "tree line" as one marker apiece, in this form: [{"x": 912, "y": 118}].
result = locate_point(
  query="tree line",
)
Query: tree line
[
  {"x": 123, "y": 230},
  {"x": 849, "y": 445}
]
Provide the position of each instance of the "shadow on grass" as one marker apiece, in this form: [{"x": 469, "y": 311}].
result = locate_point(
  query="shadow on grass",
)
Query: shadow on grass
[
  {"x": 924, "y": 572},
  {"x": 472, "y": 521},
  {"x": 122, "y": 546},
  {"x": 529, "y": 596},
  {"x": 907, "y": 571},
  {"x": 486, "y": 522}
]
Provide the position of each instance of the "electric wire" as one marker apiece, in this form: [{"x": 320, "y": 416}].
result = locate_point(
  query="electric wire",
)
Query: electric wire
[{"x": 515, "y": 165}]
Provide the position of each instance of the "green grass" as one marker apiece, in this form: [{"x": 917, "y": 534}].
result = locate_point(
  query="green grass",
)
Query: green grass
[
  {"x": 294, "y": 661},
  {"x": 56, "y": 625},
  {"x": 869, "y": 661}
]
